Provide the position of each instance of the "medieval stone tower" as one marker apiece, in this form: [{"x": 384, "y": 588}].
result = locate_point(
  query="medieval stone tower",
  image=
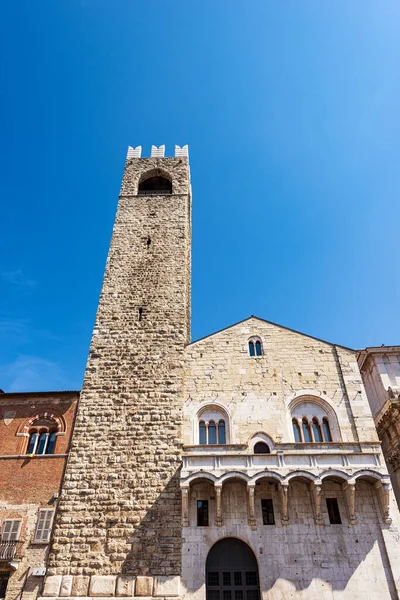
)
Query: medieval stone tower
[
  {"x": 241, "y": 466},
  {"x": 122, "y": 477}
]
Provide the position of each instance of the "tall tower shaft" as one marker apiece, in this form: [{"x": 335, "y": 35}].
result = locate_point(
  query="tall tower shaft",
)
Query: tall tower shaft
[{"x": 120, "y": 507}]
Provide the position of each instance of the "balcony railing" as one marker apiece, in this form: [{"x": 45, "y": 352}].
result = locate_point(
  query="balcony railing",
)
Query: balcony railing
[
  {"x": 154, "y": 192},
  {"x": 286, "y": 458},
  {"x": 10, "y": 550}
]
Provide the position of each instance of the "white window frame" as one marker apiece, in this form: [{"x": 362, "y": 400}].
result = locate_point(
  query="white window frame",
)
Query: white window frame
[
  {"x": 44, "y": 525},
  {"x": 254, "y": 339},
  {"x": 13, "y": 534}
]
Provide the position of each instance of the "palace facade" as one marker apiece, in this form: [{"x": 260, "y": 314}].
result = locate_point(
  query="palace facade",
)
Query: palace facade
[{"x": 240, "y": 466}]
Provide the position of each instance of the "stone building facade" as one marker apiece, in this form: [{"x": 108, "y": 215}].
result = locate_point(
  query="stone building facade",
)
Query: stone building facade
[
  {"x": 35, "y": 432},
  {"x": 380, "y": 370},
  {"x": 239, "y": 466}
]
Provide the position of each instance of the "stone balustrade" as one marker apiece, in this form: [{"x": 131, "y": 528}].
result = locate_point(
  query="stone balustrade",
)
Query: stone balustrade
[{"x": 219, "y": 460}]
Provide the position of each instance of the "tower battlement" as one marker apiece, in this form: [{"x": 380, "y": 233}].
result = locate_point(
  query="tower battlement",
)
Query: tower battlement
[{"x": 157, "y": 152}]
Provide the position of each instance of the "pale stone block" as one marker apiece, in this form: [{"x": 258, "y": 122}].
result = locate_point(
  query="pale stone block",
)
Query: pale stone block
[
  {"x": 66, "y": 585},
  {"x": 125, "y": 585},
  {"x": 144, "y": 586},
  {"x": 102, "y": 585},
  {"x": 80, "y": 585},
  {"x": 166, "y": 585},
  {"x": 52, "y": 585}
]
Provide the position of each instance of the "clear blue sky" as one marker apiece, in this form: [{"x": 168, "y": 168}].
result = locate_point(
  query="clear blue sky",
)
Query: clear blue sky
[{"x": 291, "y": 113}]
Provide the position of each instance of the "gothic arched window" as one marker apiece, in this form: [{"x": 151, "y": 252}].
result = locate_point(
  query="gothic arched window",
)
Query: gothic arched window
[
  {"x": 255, "y": 347},
  {"x": 313, "y": 420}
]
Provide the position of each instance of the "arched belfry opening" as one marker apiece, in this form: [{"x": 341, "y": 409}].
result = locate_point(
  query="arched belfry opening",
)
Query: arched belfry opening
[
  {"x": 155, "y": 183},
  {"x": 232, "y": 572}
]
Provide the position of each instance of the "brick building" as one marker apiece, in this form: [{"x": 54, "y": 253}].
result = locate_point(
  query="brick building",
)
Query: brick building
[
  {"x": 241, "y": 465},
  {"x": 35, "y": 433}
]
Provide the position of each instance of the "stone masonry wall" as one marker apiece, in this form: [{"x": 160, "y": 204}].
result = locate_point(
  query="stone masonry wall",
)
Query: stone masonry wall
[
  {"x": 120, "y": 507},
  {"x": 255, "y": 391}
]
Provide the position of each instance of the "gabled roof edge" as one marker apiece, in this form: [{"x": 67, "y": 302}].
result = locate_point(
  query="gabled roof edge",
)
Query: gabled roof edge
[{"x": 275, "y": 325}]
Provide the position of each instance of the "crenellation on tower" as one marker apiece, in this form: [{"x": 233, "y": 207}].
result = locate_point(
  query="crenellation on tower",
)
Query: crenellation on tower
[{"x": 157, "y": 151}]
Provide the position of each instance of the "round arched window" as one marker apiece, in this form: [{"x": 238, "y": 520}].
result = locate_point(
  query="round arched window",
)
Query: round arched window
[
  {"x": 42, "y": 437},
  {"x": 213, "y": 426}
]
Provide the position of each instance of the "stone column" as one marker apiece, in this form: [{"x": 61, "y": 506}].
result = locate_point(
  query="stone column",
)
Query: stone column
[
  {"x": 252, "y": 513},
  {"x": 284, "y": 489},
  {"x": 218, "y": 518},
  {"x": 349, "y": 490},
  {"x": 316, "y": 490},
  {"x": 384, "y": 490},
  {"x": 185, "y": 506}
]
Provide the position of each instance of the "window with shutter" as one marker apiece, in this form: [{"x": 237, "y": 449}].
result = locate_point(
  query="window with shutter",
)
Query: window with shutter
[
  {"x": 43, "y": 526},
  {"x": 10, "y": 530}
]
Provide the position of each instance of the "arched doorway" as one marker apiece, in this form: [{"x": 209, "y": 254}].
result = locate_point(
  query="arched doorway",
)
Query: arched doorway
[{"x": 231, "y": 572}]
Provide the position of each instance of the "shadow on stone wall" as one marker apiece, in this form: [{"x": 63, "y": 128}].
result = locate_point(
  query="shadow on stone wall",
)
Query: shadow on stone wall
[
  {"x": 303, "y": 557},
  {"x": 157, "y": 539}
]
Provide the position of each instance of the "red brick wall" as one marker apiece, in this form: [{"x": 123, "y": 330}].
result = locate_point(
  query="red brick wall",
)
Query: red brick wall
[
  {"x": 32, "y": 480},
  {"x": 28, "y": 484}
]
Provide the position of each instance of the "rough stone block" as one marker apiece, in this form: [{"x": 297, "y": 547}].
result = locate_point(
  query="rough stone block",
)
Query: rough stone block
[
  {"x": 52, "y": 585},
  {"x": 102, "y": 585},
  {"x": 66, "y": 585},
  {"x": 166, "y": 585},
  {"x": 144, "y": 586},
  {"x": 125, "y": 585},
  {"x": 80, "y": 585}
]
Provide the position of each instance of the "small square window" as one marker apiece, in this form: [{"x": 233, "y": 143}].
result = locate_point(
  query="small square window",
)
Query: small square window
[
  {"x": 333, "y": 511},
  {"x": 267, "y": 509},
  {"x": 202, "y": 513}
]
